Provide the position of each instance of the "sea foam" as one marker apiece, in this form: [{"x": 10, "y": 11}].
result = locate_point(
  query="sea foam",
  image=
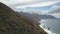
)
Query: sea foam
[{"x": 48, "y": 31}]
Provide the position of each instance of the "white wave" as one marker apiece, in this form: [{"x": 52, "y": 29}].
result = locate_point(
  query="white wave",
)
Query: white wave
[{"x": 48, "y": 31}]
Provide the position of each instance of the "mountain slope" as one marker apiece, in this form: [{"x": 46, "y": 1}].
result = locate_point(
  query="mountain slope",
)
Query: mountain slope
[
  {"x": 37, "y": 16},
  {"x": 12, "y": 23}
]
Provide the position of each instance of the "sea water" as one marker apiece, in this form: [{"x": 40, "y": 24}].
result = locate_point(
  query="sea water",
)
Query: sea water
[{"x": 51, "y": 26}]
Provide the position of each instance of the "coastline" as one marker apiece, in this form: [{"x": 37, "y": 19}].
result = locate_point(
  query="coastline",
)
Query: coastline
[{"x": 45, "y": 29}]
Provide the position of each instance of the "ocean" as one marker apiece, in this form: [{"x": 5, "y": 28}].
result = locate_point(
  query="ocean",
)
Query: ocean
[{"x": 51, "y": 26}]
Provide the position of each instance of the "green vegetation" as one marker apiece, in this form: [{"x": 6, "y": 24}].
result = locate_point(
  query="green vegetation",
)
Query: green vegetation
[{"x": 12, "y": 23}]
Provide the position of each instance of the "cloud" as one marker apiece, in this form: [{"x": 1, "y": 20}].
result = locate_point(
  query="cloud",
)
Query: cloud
[
  {"x": 41, "y": 4},
  {"x": 58, "y": 4},
  {"x": 19, "y": 1},
  {"x": 55, "y": 8},
  {"x": 55, "y": 11},
  {"x": 13, "y": 2},
  {"x": 28, "y": 3}
]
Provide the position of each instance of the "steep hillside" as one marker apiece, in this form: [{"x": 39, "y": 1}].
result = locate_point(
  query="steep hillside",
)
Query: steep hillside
[{"x": 12, "y": 23}]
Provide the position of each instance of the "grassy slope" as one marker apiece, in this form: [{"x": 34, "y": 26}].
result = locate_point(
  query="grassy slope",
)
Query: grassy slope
[{"x": 11, "y": 23}]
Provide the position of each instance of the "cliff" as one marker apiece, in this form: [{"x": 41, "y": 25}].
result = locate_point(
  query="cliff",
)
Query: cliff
[{"x": 12, "y": 23}]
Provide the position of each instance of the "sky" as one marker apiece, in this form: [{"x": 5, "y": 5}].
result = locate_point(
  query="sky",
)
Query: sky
[{"x": 50, "y": 7}]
